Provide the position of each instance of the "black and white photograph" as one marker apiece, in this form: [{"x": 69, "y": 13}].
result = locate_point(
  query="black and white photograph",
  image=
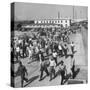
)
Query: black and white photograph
[{"x": 49, "y": 44}]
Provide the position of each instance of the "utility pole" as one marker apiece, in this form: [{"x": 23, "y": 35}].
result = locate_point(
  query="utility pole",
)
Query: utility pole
[
  {"x": 80, "y": 14},
  {"x": 73, "y": 13}
]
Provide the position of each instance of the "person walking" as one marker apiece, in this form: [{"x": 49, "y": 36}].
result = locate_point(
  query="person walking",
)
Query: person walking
[
  {"x": 17, "y": 52},
  {"x": 23, "y": 72},
  {"x": 72, "y": 47},
  {"x": 65, "y": 49},
  {"x": 60, "y": 50},
  {"x": 62, "y": 69},
  {"x": 43, "y": 66},
  {"x": 52, "y": 68},
  {"x": 73, "y": 66},
  {"x": 55, "y": 56}
]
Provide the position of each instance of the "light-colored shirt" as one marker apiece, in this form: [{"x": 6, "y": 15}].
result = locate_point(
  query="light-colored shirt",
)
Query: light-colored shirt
[
  {"x": 54, "y": 54},
  {"x": 68, "y": 67},
  {"x": 40, "y": 58},
  {"x": 36, "y": 49},
  {"x": 17, "y": 49},
  {"x": 52, "y": 62},
  {"x": 72, "y": 44},
  {"x": 60, "y": 48}
]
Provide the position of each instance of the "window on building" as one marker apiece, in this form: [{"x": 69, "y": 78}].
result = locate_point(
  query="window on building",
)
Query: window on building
[
  {"x": 45, "y": 21},
  {"x": 65, "y": 25},
  {"x": 58, "y": 21},
  {"x": 66, "y": 21},
  {"x": 61, "y": 21},
  {"x": 42, "y": 21},
  {"x": 61, "y": 25},
  {"x": 48, "y": 21},
  {"x": 35, "y": 22},
  {"x": 52, "y": 21},
  {"x": 39, "y": 21},
  {"x": 55, "y": 21}
]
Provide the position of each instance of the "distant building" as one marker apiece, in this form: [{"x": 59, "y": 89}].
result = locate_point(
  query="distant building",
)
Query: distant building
[
  {"x": 48, "y": 23},
  {"x": 59, "y": 22},
  {"x": 53, "y": 22}
]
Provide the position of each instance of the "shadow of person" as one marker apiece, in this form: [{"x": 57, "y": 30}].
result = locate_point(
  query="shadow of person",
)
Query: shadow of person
[
  {"x": 32, "y": 61},
  {"x": 74, "y": 52},
  {"x": 76, "y": 72},
  {"x": 70, "y": 54},
  {"x": 69, "y": 75},
  {"x": 31, "y": 80},
  {"x": 43, "y": 78},
  {"x": 66, "y": 78},
  {"x": 59, "y": 63},
  {"x": 57, "y": 73}
]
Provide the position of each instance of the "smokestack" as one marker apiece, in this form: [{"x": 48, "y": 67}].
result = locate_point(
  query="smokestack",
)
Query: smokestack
[{"x": 58, "y": 15}]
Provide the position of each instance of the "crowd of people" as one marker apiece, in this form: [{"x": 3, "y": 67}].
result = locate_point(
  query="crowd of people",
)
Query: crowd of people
[{"x": 45, "y": 45}]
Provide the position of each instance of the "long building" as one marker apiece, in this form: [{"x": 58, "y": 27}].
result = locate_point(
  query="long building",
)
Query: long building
[
  {"x": 47, "y": 23},
  {"x": 58, "y": 22},
  {"x": 53, "y": 22}
]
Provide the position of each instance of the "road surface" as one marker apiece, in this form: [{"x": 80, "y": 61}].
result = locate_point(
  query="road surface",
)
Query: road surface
[{"x": 34, "y": 68}]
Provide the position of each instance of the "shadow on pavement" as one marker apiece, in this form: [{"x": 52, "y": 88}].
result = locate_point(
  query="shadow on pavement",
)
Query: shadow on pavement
[
  {"x": 57, "y": 73},
  {"x": 43, "y": 78},
  {"x": 76, "y": 72},
  {"x": 59, "y": 63},
  {"x": 69, "y": 75},
  {"x": 31, "y": 80},
  {"x": 74, "y": 75},
  {"x": 32, "y": 61}
]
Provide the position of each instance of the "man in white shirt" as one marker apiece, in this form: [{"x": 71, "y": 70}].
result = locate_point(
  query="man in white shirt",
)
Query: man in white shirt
[
  {"x": 72, "y": 47},
  {"x": 55, "y": 57},
  {"x": 30, "y": 52},
  {"x": 17, "y": 52},
  {"x": 60, "y": 49}
]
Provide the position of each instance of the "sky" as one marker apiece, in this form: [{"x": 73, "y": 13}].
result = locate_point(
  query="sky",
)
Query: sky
[{"x": 30, "y": 11}]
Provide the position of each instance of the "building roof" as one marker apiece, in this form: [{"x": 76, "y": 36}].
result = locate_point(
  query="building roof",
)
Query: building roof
[{"x": 55, "y": 19}]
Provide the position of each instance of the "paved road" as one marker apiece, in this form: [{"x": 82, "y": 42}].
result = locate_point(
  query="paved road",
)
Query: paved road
[{"x": 33, "y": 68}]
